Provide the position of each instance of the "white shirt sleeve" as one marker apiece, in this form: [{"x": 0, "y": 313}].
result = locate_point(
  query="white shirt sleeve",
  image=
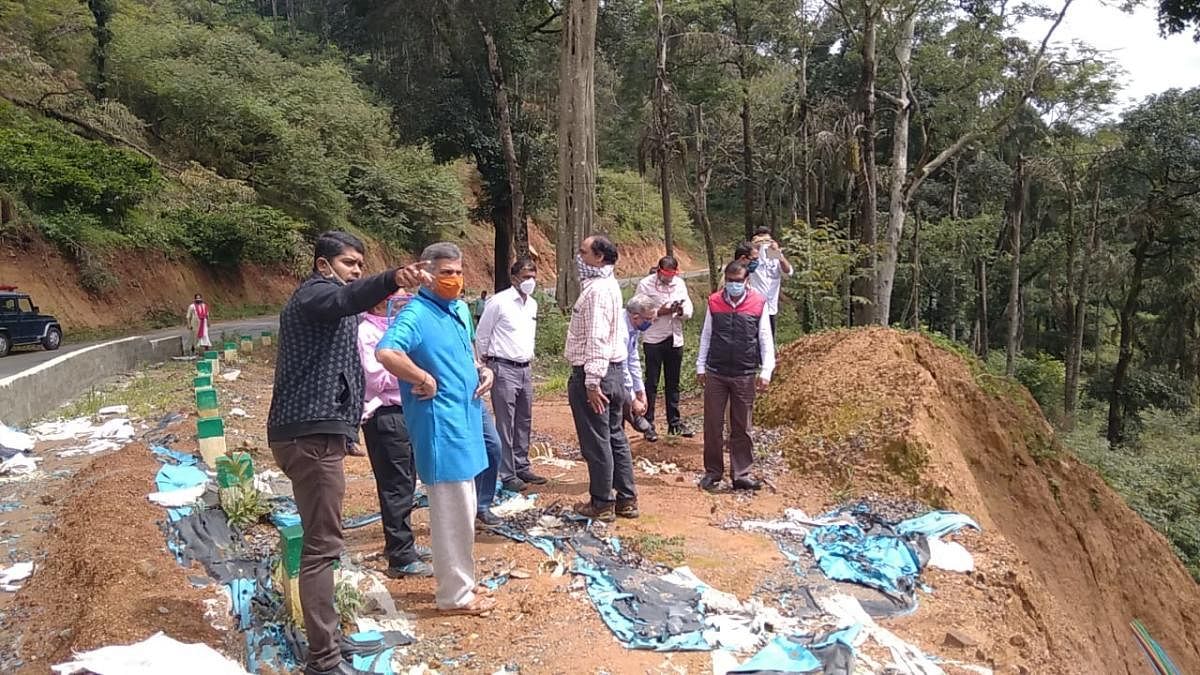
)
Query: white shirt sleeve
[
  {"x": 706, "y": 338},
  {"x": 766, "y": 346},
  {"x": 487, "y": 324}
]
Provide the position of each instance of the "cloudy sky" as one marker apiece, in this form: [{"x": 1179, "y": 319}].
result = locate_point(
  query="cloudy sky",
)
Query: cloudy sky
[{"x": 1152, "y": 63}]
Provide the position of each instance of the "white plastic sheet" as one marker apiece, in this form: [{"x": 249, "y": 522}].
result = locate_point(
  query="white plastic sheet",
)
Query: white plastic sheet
[
  {"x": 15, "y": 440},
  {"x": 19, "y": 465},
  {"x": 153, "y": 656},
  {"x": 950, "y": 556},
  {"x": 176, "y": 498},
  {"x": 12, "y": 577}
]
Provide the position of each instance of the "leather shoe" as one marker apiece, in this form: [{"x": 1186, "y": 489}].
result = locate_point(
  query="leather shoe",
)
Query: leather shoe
[
  {"x": 532, "y": 478},
  {"x": 710, "y": 483},
  {"x": 486, "y": 518},
  {"x": 746, "y": 484},
  {"x": 641, "y": 424},
  {"x": 627, "y": 508},
  {"x": 515, "y": 485},
  {"x": 681, "y": 431},
  {"x": 651, "y": 435},
  {"x": 589, "y": 509}
]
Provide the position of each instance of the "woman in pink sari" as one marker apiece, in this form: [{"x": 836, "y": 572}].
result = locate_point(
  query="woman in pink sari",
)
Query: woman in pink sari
[{"x": 197, "y": 321}]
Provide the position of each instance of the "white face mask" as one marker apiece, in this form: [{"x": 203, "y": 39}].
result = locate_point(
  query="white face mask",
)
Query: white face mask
[{"x": 527, "y": 286}]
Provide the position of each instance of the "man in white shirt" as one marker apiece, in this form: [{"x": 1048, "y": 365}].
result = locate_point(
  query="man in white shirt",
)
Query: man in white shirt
[
  {"x": 737, "y": 357},
  {"x": 505, "y": 340},
  {"x": 663, "y": 342},
  {"x": 767, "y": 266}
]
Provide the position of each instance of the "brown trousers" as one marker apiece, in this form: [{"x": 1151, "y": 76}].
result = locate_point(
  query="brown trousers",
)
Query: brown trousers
[
  {"x": 314, "y": 464},
  {"x": 737, "y": 395}
]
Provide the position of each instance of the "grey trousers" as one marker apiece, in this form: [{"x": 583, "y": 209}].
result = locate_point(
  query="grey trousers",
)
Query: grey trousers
[
  {"x": 512, "y": 401},
  {"x": 452, "y": 534},
  {"x": 602, "y": 436}
]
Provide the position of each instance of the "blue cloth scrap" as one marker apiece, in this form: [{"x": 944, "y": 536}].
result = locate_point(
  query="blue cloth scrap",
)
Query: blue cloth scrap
[
  {"x": 178, "y": 476},
  {"x": 846, "y": 553},
  {"x": 936, "y": 524},
  {"x": 792, "y": 654},
  {"x": 164, "y": 454},
  {"x": 9, "y": 506}
]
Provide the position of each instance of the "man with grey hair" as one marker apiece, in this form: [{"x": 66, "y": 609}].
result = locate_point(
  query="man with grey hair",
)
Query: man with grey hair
[
  {"x": 428, "y": 348},
  {"x": 639, "y": 315}
]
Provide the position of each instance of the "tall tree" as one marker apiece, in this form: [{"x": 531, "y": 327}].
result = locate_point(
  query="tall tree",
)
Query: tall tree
[{"x": 576, "y": 140}]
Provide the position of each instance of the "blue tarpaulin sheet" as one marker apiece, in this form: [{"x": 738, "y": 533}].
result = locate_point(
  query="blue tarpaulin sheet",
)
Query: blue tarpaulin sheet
[
  {"x": 846, "y": 553},
  {"x": 176, "y": 477},
  {"x": 936, "y": 524}
]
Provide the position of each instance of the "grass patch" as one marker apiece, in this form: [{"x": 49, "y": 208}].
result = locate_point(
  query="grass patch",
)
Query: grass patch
[
  {"x": 146, "y": 393},
  {"x": 657, "y": 548}
]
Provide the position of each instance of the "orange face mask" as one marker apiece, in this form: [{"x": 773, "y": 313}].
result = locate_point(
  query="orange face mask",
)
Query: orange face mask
[{"x": 448, "y": 288}]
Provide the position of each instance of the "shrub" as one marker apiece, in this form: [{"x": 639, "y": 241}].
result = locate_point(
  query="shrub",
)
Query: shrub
[
  {"x": 405, "y": 199},
  {"x": 1145, "y": 388},
  {"x": 629, "y": 205},
  {"x": 55, "y": 171},
  {"x": 238, "y": 233}
]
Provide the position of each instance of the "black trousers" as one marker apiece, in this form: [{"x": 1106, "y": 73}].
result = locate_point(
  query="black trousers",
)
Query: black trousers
[
  {"x": 602, "y": 436},
  {"x": 395, "y": 470},
  {"x": 666, "y": 358}
]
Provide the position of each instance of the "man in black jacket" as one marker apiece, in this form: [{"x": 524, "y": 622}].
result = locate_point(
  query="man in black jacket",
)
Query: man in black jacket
[{"x": 316, "y": 407}]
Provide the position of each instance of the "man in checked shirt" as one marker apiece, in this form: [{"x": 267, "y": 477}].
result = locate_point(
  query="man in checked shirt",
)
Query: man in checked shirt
[{"x": 596, "y": 391}]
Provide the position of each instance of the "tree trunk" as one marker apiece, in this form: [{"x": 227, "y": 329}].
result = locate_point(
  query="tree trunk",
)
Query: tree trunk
[
  {"x": 102, "y": 12},
  {"x": 898, "y": 202},
  {"x": 662, "y": 127},
  {"x": 1116, "y": 395},
  {"x": 576, "y": 141},
  {"x": 866, "y": 174},
  {"x": 981, "y": 309},
  {"x": 1078, "y": 318},
  {"x": 916, "y": 267},
  {"x": 700, "y": 197},
  {"x": 1016, "y": 216},
  {"x": 514, "y": 228},
  {"x": 747, "y": 161}
]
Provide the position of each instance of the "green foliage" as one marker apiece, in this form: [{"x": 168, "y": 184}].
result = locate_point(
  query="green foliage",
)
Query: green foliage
[
  {"x": 237, "y": 233},
  {"x": 1044, "y": 376},
  {"x": 629, "y": 206},
  {"x": 1145, "y": 389},
  {"x": 824, "y": 261},
  {"x": 349, "y": 601},
  {"x": 55, "y": 171},
  {"x": 405, "y": 197},
  {"x": 1157, "y": 474},
  {"x": 243, "y": 505}
]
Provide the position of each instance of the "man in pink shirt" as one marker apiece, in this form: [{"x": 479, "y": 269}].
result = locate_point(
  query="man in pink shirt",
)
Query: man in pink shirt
[{"x": 388, "y": 447}]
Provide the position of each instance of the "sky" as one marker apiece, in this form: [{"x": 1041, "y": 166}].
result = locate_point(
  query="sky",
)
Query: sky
[{"x": 1152, "y": 63}]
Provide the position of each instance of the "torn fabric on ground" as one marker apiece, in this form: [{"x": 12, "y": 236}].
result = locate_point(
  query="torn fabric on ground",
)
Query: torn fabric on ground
[
  {"x": 831, "y": 654},
  {"x": 13, "y": 441},
  {"x": 12, "y": 577}
]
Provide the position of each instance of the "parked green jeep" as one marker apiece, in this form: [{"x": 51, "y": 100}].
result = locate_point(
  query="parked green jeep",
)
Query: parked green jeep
[{"x": 21, "y": 324}]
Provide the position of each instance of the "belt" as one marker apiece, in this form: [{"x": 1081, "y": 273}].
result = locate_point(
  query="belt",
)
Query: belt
[{"x": 514, "y": 364}]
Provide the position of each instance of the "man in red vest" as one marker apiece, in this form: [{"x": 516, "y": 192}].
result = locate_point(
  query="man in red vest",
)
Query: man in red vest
[{"x": 737, "y": 356}]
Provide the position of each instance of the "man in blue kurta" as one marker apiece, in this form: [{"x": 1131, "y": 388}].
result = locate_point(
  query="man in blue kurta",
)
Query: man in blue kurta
[{"x": 428, "y": 348}]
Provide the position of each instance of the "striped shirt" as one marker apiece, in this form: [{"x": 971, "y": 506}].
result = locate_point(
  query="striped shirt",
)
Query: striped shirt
[{"x": 594, "y": 337}]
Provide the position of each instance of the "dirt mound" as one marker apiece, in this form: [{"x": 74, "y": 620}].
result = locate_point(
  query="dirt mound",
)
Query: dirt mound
[
  {"x": 108, "y": 577},
  {"x": 1064, "y": 564}
]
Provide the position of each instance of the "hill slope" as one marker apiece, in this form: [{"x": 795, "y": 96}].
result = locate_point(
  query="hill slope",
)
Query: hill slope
[{"x": 891, "y": 411}]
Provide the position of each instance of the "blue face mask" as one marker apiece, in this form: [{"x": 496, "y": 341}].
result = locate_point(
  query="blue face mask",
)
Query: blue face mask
[
  {"x": 735, "y": 289},
  {"x": 752, "y": 265},
  {"x": 645, "y": 325}
]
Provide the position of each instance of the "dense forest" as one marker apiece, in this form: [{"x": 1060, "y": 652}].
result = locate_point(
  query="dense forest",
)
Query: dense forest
[{"x": 923, "y": 166}]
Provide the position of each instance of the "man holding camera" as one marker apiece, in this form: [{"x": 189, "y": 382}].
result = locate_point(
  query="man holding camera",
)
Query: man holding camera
[{"x": 663, "y": 342}]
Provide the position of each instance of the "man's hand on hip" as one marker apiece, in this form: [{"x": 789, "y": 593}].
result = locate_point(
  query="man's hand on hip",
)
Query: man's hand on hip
[{"x": 426, "y": 388}]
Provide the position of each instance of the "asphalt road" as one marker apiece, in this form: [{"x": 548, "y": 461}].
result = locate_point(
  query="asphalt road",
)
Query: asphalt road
[{"x": 24, "y": 358}]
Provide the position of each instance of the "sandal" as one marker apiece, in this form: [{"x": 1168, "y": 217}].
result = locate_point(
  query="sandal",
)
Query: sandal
[{"x": 478, "y": 606}]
